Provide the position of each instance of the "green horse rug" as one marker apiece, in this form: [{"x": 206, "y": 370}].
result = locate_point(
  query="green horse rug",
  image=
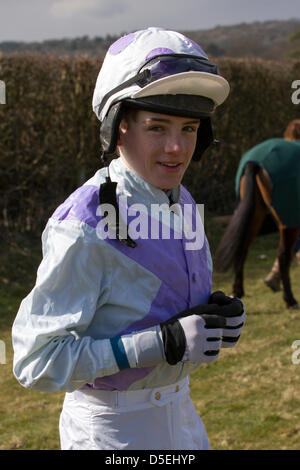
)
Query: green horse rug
[{"x": 281, "y": 160}]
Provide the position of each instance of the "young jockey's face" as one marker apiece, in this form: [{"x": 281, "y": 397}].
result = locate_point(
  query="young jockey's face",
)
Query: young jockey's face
[{"x": 158, "y": 147}]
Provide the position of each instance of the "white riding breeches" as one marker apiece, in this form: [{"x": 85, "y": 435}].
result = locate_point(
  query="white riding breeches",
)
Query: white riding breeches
[{"x": 163, "y": 418}]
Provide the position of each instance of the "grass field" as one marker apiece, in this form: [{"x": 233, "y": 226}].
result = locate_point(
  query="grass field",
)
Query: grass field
[{"x": 248, "y": 399}]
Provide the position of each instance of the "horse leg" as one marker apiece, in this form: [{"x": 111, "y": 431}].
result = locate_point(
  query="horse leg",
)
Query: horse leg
[
  {"x": 288, "y": 238},
  {"x": 273, "y": 278},
  {"x": 265, "y": 187},
  {"x": 297, "y": 249},
  {"x": 257, "y": 219}
]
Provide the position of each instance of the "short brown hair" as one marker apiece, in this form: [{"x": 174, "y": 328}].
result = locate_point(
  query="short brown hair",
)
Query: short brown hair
[
  {"x": 292, "y": 131},
  {"x": 129, "y": 113}
]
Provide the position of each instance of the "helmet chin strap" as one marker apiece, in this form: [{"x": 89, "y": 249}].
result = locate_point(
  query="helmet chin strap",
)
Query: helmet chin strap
[{"x": 108, "y": 195}]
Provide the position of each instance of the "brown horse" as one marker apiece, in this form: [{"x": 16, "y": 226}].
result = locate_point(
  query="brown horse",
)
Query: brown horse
[{"x": 255, "y": 203}]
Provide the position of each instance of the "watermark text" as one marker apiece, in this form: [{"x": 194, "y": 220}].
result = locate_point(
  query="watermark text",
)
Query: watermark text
[
  {"x": 2, "y": 352},
  {"x": 296, "y": 94},
  {"x": 160, "y": 221},
  {"x": 296, "y": 353},
  {"x": 2, "y": 92}
]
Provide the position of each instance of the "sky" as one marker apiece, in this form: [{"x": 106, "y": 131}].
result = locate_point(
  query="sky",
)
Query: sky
[{"x": 38, "y": 20}]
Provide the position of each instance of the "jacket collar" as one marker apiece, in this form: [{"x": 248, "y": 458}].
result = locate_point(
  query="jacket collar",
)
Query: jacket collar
[{"x": 137, "y": 189}]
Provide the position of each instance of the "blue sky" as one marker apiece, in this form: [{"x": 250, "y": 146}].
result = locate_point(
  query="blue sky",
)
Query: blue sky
[{"x": 37, "y": 20}]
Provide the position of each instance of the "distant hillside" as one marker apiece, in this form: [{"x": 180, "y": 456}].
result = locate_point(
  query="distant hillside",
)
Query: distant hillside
[{"x": 267, "y": 40}]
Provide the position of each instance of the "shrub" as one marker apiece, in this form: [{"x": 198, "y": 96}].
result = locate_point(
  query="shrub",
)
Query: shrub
[{"x": 50, "y": 136}]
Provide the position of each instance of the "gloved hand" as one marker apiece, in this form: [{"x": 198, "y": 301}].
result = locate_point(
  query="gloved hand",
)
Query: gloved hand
[
  {"x": 185, "y": 337},
  {"x": 232, "y": 310},
  {"x": 203, "y": 334},
  {"x": 194, "y": 334}
]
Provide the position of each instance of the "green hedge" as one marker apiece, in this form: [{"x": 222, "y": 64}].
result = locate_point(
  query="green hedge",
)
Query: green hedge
[{"x": 49, "y": 136}]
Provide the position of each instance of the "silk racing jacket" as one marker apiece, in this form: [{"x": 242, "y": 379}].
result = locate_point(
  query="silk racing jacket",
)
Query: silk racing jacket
[{"x": 91, "y": 290}]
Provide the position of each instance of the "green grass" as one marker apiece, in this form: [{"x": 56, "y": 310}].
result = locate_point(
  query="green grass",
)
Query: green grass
[
  {"x": 248, "y": 399},
  {"x": 28, "y": 419}
]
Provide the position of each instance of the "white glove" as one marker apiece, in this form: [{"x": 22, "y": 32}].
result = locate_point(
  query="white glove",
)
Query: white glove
[{"x": 203, "y": 335}]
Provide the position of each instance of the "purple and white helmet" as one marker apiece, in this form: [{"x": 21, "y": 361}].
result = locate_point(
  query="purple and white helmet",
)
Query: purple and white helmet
[{"x": 160, "y": 70}]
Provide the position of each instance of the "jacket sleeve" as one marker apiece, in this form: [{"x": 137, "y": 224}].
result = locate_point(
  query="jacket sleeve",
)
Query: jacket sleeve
[{"x": 51, "y": 350}]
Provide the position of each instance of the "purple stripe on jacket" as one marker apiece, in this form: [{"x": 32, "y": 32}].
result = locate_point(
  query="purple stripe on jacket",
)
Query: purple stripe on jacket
[
  {"x": 80, "y": 205},
  {"x": 180, "y": 273}
]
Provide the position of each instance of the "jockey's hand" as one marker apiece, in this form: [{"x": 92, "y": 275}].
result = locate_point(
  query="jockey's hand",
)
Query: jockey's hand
[
  {"x": 232, "y": 310},
  {"x": 194, "y": 334},
  {"x": 187, "y": 335},
  {"x": 203, "y": 334}
]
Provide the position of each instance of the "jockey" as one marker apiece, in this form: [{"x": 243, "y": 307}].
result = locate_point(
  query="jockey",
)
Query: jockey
[{"x": 120, "y": 316}]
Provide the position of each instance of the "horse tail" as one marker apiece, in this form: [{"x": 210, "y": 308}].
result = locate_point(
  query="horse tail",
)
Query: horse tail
[{"x": 235, "y": 237}]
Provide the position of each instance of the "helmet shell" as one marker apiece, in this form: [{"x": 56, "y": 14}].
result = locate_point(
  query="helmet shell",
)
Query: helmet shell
[{"x": 127, "y": 56}]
